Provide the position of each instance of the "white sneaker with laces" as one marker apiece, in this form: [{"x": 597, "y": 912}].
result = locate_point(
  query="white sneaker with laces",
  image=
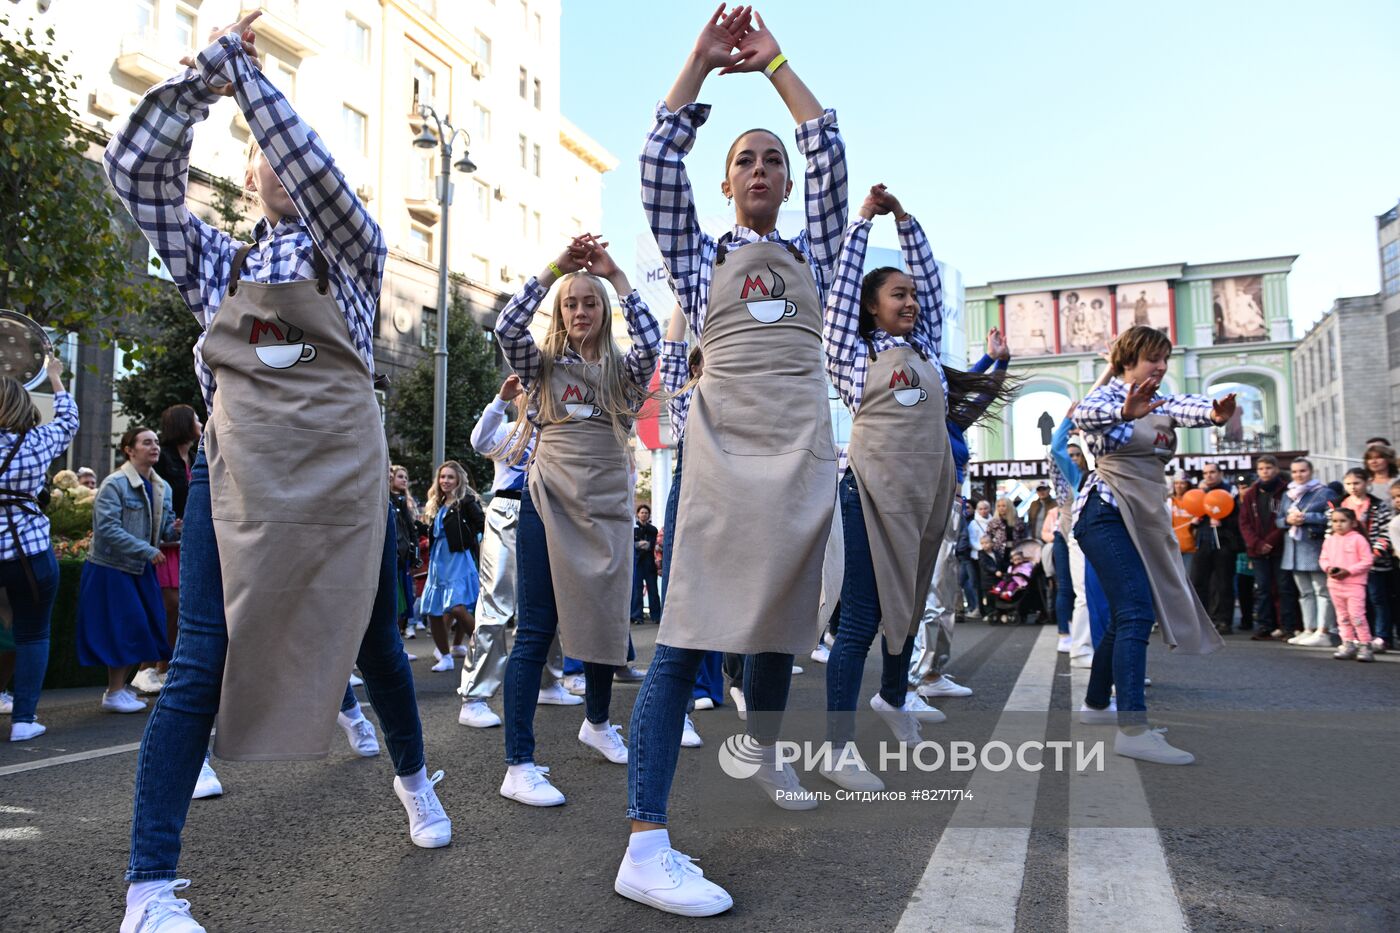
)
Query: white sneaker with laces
[
  {"x": 444, "y": 661},
  {"x": 146, "y": 681},
  {"x": 1297, "y": 639},
  {"x": 576, "y": 684},
  {"x": 670, "y": 881},
  {"x": 944, "y": 686},
  {"x": 360, "y": 733},
  {"x": 7, "y": 703},
  {"x": 849, "y": 770},
  {"x": 689, "y": 737},
  {"x": 556, "y": 695},
  {"x": 737, "y": 695},
  {"x": 208, "y": 783},
  {"x": 920, "y": 710},
  {"x": 428, "y": 825},
  {"x": 163, "y": 912},
  {"x": 901, "y": 722},
  {"x": 122, "y": 701},
  {"x": 24, "y": 731},
  {"x": 607, "y": 741},
  {"x": 529, "y": 784},
  {"x": 1317, "y": 640},
  {"x": 821, "y": 654},
  {"x": 1062, "y": 646},
  {"x": 1108, "y": 716},
  {"x": 781, "y": 785},
  {"x": 1152, "y": 746},
  {"x": 478, "y": 715},
  {"x": 704, "y": 703},
  {"x": 356, "y": 680}
]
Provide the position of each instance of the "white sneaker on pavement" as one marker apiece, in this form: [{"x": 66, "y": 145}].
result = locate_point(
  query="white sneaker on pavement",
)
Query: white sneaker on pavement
[
  {"x": 849, "y": 770},
  {"x": 360, "y": 733},
  {"x": 556, "y": 695},
  {"x": 1108, "y": 716},
  {"x": 821, "y": 654},
  {"x": 921, "y": 711},
  {"x": 162, "y": 912},
  {"x": 1151, "y": 746},
  {"x": 944, "y": 686},
  {"x": 689, "y": 737},
  {"x": 208, "y": 783},
  {"x": 781, "y": 785},
  {"x": 529, "y": 784},
  {"x": 7, "y": 703},
  {"x": 444, "y": 661},
  {"x": 670, "y": 881},
  {"x": 146, "y": 681},
  {"x": 1298, "y": 637},
  {"x": 704, "y": 703},
  {"x": 737, "y": 695},
  {"x": 902, "y": 723},
  {"x": 1082, "y": 661},
  {"x": 1317, "y": 640},
  {"x": 607, "y": 740},
  {"x": 24, "y": 731},
  {"x": 459, "y": 651},
  {"x": 123, "y": 701},
  {"x": 428, "y": 825},
  {"x": 576, "y": 684},
  {"x": 1062, "y": 646},
  {"x": 796, "y": 669},
  {"x": 410, "y": 655},
  {"x": 477, "y": 714},
  {"x": 356, "y": 680}
]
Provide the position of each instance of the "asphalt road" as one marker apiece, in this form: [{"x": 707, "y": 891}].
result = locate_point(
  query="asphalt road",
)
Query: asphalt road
[{"x": 1287, "y": 822}]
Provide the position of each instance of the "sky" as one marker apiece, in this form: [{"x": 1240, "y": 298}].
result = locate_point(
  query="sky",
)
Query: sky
[{"x": 1036, "y": 138}]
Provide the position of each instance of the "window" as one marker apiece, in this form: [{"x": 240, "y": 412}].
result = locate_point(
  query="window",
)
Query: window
[
  {"x": 538, "y": 94},
  {"x": 422, "y": 176},
  {"x": 536, "y": 153},
  {"x": 420, "y": 244},
  {"x": 282, "y": 74},
  {"x": 524, "y": 15},
  {"x": 524, "y": 221},
  {"x": 427, "y": 328},
  {"x": 539, "y": 228},
  {"x": 355, "y": 129},
  {"x": 483, "y": 124},
  {"x": 424, "y": 83},
  {"x": 184, "y": 28},
  {"x": 539, "y": 28},
  {"x": 480, "y": 269},
  {"x": 483, "y": 200},
  {"x": 483, "y": 48},
  {"x": 356, "y": 40},
  {"x": 524, "y": 150},
  {"x": 145, "y": 16},
  {"x": 1331, "y": 354},
  {"x": 1390, "y": 268},
  {"x": 524, "y": 83}
]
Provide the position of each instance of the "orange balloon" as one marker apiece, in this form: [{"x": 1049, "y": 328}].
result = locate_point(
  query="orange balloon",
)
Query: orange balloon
[
  {"x": 1219, "y": 503},
  {"x": 1194, "y": 501}
]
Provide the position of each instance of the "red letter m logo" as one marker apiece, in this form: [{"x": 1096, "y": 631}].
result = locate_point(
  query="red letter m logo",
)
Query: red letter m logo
[
  {"x": 753, "y": 284},
  {"x": 899, "y": 377},
  {"x": 259, "y": 328},
  {"x": 571, "y": 393}
]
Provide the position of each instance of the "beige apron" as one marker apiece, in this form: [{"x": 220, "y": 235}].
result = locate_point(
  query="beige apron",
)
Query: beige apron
[
  {"x": 903, "y": 464},
  {"x": 580, "y": 486},
  {"x": 297, "y": 478},
  {"x": 759, "y": 464},
  {"x": 1135, "y": 472}
]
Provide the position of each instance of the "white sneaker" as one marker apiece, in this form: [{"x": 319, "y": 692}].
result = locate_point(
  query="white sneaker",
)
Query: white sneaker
[
  {"x": 901, "y": 722},
  {"x": 1150, "y": 746},
  {"x": 163, "y": 912},
  {"x": 356, "y": 680},
  {"x": 670, "y": 881},
  {"x": 208, "y": 783},
  {"x": 796, "y": 669},
  {"x": 7, "y": 703},
  {"x": 123, "y": 701},
  {"x": 781, "y": 785},
  {"x": 529, "y": 784},
  {"x": 410, "y": 632},
  {"x": 146, "y": 681},
  {"x": 360, "y": 732},
  {"x": 607, "y": 741},
  {"x": 1062, "y": 646},
  {"x": 1108, "y": 716},
  {"x": 410, "y": 655},
  {"x": 576, "y": 684},
  {"x": 704, "y": 703},
  {"x": 478, "y": 715},
  {"x": 737, "y": 695},
  {"x": 828, "y": 639},
  {"x": 418, "y": 625},
  {"x": 1298, "y": 637},
  {"x": 444, "y": 661},
  {"x": 428, "y": 825},
  {"x": 556, "y": 695},
  {"x": 1082, "y": 661},
  {"x": 1317, "y": 640},
  {"x": 459, "y": 651},
  {"x": 24, "y": 731},
  {"x": 689, "y": 737},
  {"x": 944, "y": 686},
  {"x": 821, "y": 654},
  {"x": 921, "y": 711},
  {"x": 849, "y": 770}
]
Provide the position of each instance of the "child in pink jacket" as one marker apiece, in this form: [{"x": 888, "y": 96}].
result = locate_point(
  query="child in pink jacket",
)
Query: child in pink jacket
[{"x": 1346, "y": 559}]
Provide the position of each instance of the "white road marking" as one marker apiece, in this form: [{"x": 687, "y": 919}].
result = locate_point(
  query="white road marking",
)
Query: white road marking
[
  {"x": 20, "y": 834},
  {"x": 68, "y": 759},
  {"x": 9, "y": 809},
  {"x": 973, "y": 880}
]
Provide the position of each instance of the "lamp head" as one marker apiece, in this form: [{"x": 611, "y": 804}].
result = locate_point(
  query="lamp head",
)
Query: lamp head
[
  {"x": 465, "y": 165},
  {"x": 426, "y": 138}
]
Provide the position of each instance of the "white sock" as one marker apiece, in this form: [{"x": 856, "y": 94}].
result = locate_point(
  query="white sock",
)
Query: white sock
[
  {"x": 417, "y": 782},
  {"x": 353, "y": 714},
  {"x": 139, "y": 892},
  {"x": 603, "y": 726},
  {"x": 647, "y": 843}
]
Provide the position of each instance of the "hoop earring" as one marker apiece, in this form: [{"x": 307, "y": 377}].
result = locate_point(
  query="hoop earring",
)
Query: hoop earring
[{"x": 785, "y": 197}]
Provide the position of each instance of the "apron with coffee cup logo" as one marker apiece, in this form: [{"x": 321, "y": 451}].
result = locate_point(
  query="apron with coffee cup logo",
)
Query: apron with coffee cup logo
[
  {"x": 297, "y": 481},
  {"x": 759, "y": 463},
  {"x": 903, "y": 464},
  {"x": 1136, "y": 472},
  {"x": 581, "y": 487}
]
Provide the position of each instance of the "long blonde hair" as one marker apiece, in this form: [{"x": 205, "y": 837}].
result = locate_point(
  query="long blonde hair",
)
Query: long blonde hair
[
  {"x": 435, "y": 494},
  {"x": 618, "y": 397},
  {"x": 17, "y": 409}
]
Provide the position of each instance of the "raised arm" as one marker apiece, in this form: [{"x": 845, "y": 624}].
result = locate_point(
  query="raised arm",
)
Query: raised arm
[
  {"x": 928, "y": 329},
  {"x": 840, "y": 329},
  {"x": 52, "y": 439},
  {"x": 513, "y": 328},
  {"x": 490, "y": 430},
  {"x": 675, "y": 369},
  {"x": 642, "y": 327}
]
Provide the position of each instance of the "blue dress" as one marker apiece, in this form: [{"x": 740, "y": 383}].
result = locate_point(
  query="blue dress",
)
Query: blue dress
[
  {"x": 452, "y": 579},
  {"x": 121, "y": 616}
]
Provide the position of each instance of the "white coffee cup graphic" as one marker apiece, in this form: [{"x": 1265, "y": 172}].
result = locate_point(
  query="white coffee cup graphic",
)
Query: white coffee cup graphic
[
  {"x": 770, "y": 310},
  {"x": 284, "y": 355},
  {"x": 909, "y": 397},
  {"x": 581, "y": 411}
]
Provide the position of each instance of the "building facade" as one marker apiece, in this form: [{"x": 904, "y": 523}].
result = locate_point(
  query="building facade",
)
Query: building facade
[
  {"x": 1388, "y": 246},
  {"x": 354, "y": 69}
]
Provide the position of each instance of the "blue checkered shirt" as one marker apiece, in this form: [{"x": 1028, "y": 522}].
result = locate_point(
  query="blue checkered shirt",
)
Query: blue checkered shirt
[
  {"x": 847, "y": 353},
  {"x": 675, "y": 373},
  {"x": 28, "y": 473},
  {"x": 669, "y": 203},
  {"x": 1100, "y": 417},
  {"x": 148, "y": 160}
]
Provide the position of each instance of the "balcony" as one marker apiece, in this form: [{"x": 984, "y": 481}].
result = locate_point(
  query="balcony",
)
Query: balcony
[
  {"x": 424, "y": 210},
  {"x": 281, "y": 22},
  {"x": 143, "y": 56}
]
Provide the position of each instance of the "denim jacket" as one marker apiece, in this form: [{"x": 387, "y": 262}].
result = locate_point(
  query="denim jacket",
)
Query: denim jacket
[
  {"x": 123, "y": 533},
  {"x": 1303, "y": 553}
]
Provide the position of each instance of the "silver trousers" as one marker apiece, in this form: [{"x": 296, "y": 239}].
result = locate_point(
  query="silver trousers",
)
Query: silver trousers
[
  {"x": 933, "y": 642},
  {"x": 484, "y": 668}
]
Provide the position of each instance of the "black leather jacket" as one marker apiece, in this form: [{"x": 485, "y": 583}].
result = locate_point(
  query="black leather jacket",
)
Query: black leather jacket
[{"x": 462, "y": 523}]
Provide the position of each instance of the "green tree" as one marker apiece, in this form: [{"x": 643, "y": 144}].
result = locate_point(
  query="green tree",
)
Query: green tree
[
  {"x": 65, "y": 258},
  {"x": 166, "y": 374},
  {"x": 472, "y": 379}
]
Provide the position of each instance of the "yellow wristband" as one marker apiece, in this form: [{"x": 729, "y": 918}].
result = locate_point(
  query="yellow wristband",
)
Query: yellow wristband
[
  {"x": 554, "y": 267},
  {"x": 775, "y": 64}
]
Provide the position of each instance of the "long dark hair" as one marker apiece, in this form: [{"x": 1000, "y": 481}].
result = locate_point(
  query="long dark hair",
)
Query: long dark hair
[
  {"x": 967, "y": 391},
  {"x": 869, "y": 297},
  {"x": 177, "y": 426}
]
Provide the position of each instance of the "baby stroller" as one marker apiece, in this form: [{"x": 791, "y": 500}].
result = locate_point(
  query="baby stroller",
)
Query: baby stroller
[{"x": 1021, "y": 589}]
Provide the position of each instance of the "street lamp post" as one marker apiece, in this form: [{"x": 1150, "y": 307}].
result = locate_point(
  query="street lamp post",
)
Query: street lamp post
[{"x": 444, "y": 139}]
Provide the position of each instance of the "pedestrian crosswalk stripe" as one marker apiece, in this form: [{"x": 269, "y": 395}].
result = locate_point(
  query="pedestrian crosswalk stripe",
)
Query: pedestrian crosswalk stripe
[{"x": 68, "y": 759}]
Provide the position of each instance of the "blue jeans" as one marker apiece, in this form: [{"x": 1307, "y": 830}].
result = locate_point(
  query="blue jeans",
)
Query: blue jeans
[
  {"x": 1120, "y": 658},
  {"x": 1379, "y": 606},
  {"x": 31, "y": 626},
  {"x": 644, "y": 574},
  {"x": 658, "y": 719},
  {"x": 1064, "y": 584},
  {"x": 860, "y": 620},
  {"x": 177, "y": 733},
  {"x": 536, "y": 622},
  {"x": 969, "y": 578}
]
